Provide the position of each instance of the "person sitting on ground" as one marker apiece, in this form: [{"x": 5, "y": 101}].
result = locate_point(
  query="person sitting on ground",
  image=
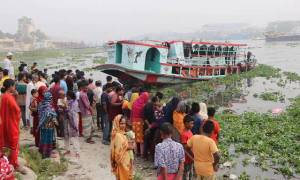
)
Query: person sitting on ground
[
  {"x": 206, "y": 154},
  {"x": 197, "y": 119},
  {"x": 169, "y": 155},
  {"x": 187, "y": 134},
  {"x": 211, "y": 114}
]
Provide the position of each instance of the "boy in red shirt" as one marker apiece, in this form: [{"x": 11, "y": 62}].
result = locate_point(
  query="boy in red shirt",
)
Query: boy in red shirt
[
  {"x": 211, "y": 114},
  {"x": 186, "y": 135}
]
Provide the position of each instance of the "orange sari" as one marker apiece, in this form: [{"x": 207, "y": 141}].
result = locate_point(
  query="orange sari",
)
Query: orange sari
[
  {"x": 121, "y": 165},
  {"x": 178, "y": 121},
  {"x": 9, "y": 128}
]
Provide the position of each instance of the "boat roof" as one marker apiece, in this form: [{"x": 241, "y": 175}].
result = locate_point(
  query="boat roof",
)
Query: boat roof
[{"x": 161, "y": 44}]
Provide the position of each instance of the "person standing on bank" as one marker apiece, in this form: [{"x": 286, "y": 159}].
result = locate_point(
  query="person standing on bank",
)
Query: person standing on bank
[
  {"x": 8, "y": 65},
  {"x": 97, "y": 98},
  {"x": 21, "y": 99},
  {"x": 9, "y": 127},
  {"x": 105, "y": 105}
]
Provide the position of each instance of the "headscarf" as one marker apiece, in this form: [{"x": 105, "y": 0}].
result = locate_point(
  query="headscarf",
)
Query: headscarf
[
  {"x": 134, "y": 96},
  {"x": 119, "y": 152},
  {"x": 45, "y": 110},
  {"x": 138, "y": 106},
  {"x": 181, "y": 108},
  {"x": 203, "y": 111},
  {"x": 41, "y": 97},
  {"x": 172, "y": 105},
  {"x": 71, "y": 113}
]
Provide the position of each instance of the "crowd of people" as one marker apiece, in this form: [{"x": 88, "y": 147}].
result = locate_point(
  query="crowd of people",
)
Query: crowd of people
[{"x": 181, "y": 139}]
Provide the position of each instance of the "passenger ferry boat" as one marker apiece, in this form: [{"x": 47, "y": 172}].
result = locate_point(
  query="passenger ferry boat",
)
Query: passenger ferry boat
[{"x": 155, "y": 62}]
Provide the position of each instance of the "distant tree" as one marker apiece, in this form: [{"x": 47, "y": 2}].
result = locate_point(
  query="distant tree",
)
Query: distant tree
[
  {"x": 39, "y": 34},
  {"x": 7, "y": 35}
]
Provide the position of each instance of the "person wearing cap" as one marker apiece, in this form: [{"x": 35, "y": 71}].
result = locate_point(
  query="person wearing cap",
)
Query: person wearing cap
[
  {"x": 33, "y": 68},
  {"x": 97, "y": 98},
  {"x": 8, "y": 65}
]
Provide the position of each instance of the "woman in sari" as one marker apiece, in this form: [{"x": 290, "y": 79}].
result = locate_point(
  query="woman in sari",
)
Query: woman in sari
[
  {"x": 121, "y": 165},
  {"x": 203, "y": 111},
  {"x": 134, "y": 97},
  {"x": 178, "y": 116},
  {"x": 10, "y": 121},
  {"x": 42, "y": 90},
  {"x": 47, "y": 117},
  {"x": 136, "y": 118}
]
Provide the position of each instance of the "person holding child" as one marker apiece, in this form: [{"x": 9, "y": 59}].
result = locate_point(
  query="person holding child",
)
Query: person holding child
[{"x": 120, "y": 147}]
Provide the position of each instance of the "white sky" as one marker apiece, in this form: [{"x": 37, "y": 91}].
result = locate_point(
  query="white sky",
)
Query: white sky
[{"x": 104, "y": 20}]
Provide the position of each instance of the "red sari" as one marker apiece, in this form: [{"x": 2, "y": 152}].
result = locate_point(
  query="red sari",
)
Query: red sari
[
  {"x": 9, "y": 128},
  {"x": 36, "y": 117}
]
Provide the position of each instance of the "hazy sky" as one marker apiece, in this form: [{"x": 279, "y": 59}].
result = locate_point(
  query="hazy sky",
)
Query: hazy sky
[{"x": 104, "y": 20}]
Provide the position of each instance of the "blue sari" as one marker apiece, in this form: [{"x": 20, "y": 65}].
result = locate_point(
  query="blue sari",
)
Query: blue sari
[{"x": 47, "y": 121}]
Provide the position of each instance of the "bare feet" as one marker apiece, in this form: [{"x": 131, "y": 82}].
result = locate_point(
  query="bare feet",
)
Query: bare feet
[
  {"x": 90, "y": 141},
  {"x": 20, "y": 169},
  {"x": 67, "y": 153}
]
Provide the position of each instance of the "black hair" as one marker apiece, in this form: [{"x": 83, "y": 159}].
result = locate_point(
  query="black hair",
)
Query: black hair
[
  {"x": 69, "y": 71},
  {"x": 56, "y": 79},
  {"x": 142, "y": 90},
  {"x": 71, "y": 94},
  {"x": 61, "y": 76},
  {"x": 33, "y": 91},
  {"x": 1, "y": 70},
  {"x": 108, "y": 78},
  {"x": 187, "y": 109},
  {"x": 159, "y": 95},
  {"x": 84, "y": 83},
  {"x": 128, "y": 124},
  {"x": 134, "y": 85},
  {"x": 40, "y": 72},
  {"x": 20, "y": 76},
  {"x": 45, "y": 69},
  {"x": 90, "y": 80},
  {"x": 211, "y": 111},
  {"x": 154, "y": 99},
  {"x": 77, "y": 71},
  {"x": 187, "y": 119},
  {"x": 115, "y": 84},
  {"x": 5, "y": 72},
  {"x": 43, "y": 75},
  {"x": 79, "y": 84},
  {"x": 28, "y": 76},
  {"x": 108, "y": 85},
  {"x": 7, "y": 84},
  {"x": 119, "y": 88},
  {"x": 82, "y": 73},
  {"x": 141, "y": 85},
  {"x": 166, "y": 128},
  {"x": 79, "y": 76},
  {"x": 34, "y": 63},
  {"x": 195, "y": 107},
  {"x": 53, "y": 75},
  {"x": 208, "y": 127},
  {"x": 36, "y": 71}
]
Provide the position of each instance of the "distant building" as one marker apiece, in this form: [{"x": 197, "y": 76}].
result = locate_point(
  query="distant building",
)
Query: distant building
[
  {"x": 40, "y": 45},
  {"x": 25, "y": 27},
  {"x": 225, "y": 28}
]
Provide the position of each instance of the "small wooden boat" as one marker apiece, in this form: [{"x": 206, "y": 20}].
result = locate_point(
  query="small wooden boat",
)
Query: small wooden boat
[{"x": 154, "y": 62}]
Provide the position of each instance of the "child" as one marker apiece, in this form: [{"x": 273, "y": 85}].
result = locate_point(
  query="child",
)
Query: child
[
  {"x": 197, "y": 119},
  {"x": 70, "y": 124},
  {"x": 62, "y": 105},
  {"x": 186, "y": 135},
  {"x": 33, "y": 106},
  {"x": 206, "y": 153},
  {"x": 211, "y": 114},
  {"x": 169, "y": 155},
  {"x": 130, "y": 137}
]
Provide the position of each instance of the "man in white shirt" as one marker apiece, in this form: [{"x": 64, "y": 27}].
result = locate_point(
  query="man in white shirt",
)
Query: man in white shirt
[
  {"x": 29, "y": 88},
  {"x": 97, "y": 98},
  {"x": 7, "y": 65}
]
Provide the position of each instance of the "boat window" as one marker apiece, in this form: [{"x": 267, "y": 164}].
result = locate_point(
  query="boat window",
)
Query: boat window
[
  {"x": 218, "y": 51},
  {"x": 203, "y": 50},
  {"x": 211, "y": 51},
  {"x": 187, "y": 50}
]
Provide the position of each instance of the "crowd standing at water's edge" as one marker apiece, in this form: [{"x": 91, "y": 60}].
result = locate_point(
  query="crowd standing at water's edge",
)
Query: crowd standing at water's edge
[{"x": 181, "y": 140}]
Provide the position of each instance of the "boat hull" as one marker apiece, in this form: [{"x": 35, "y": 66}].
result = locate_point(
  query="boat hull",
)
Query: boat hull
[
  {"x": 126, "y": 75},
  {"x": 283, "y": 38}
]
